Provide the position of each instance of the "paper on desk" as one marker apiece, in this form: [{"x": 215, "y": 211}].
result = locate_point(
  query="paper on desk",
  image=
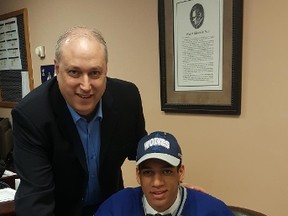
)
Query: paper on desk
[
  {"x": 8, "y": 173},
  {"x": 7, "y": 194}
]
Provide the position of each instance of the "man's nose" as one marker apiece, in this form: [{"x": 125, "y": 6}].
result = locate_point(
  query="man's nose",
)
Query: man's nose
[
  {"x": 85, "y": 83},
  {"x": 158, "y": 180}
]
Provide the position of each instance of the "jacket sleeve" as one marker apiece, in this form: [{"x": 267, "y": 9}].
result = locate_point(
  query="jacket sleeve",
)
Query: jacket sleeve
[
  {"x": 35, "y": 192},
  {"x": 140, "y": 125}
]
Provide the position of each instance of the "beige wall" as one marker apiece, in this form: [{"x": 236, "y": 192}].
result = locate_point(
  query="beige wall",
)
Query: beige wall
[{"x": 242, "y": 160}]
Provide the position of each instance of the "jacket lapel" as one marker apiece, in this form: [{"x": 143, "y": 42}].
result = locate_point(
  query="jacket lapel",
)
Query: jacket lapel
[
  {"x": 66, "y": 124},
  {"x": 108, "y": 124}
]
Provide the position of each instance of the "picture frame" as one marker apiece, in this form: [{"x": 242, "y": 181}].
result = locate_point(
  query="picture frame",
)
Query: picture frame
[
  {"x": 200, "y": 67},
  {"x": 16, "y": 72}
]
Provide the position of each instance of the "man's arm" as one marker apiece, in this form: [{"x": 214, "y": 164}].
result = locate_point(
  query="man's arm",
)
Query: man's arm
[{"x": 35, "y": 193}]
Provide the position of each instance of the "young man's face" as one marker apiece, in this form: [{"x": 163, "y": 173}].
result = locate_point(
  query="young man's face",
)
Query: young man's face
[
  {"x": 159, "y": 181},
  {"x": 81, "y": 73}
]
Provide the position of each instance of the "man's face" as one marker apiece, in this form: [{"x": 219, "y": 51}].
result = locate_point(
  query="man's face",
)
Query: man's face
[
  {"x": 81, "y": 73},
  {"x": 159, "y": 181}
]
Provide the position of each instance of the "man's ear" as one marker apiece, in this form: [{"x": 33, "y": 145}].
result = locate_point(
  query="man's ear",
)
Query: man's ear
[
  {"x": 181, "y": 173},
  {"x": 138, "y": 176},
  {"x": 56, "y": 67}
]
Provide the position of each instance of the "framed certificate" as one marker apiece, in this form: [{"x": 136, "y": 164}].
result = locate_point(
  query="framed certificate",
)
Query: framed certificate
[{"x": 200, "y": 55}]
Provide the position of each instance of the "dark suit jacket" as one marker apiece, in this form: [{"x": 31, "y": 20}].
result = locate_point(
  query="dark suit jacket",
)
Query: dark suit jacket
[{"x": 49, "y": 156}]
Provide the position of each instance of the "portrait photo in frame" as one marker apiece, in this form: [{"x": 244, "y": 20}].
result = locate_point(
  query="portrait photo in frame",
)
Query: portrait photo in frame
[{"x": 200, "y": 47}]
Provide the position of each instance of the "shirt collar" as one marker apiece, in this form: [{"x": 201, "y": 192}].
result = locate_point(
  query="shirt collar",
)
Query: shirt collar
[
  {"x": 76, "y": 117},
  {"x": 149, "y": 210}
]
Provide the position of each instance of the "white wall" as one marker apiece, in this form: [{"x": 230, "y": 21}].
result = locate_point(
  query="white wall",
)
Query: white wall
[{"x": 241, "y": 160}]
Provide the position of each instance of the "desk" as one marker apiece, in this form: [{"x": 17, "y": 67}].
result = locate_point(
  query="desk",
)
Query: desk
[{"x": 8, "y": 208}]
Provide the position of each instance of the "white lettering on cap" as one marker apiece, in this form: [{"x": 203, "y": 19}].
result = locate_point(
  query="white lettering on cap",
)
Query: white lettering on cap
[{"x": 156, "y": 142}]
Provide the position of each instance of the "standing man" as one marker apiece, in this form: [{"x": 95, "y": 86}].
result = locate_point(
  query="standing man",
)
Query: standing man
[
  {"x": 73, "y": 133},
  {"x": 159, "y": 171}
]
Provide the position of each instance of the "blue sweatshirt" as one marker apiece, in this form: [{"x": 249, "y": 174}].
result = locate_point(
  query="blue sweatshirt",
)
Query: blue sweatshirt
[{"x": 129, "y": 202}]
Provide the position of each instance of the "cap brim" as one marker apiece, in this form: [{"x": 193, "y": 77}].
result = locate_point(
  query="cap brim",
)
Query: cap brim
[{"x": 165, "y": 157}]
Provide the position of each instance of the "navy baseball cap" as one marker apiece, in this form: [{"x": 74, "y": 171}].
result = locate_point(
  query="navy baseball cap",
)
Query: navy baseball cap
[{"x": 159, "y": 145}]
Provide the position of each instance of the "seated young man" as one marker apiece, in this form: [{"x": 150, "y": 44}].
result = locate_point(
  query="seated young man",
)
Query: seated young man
[{"x": 160, "y": 171}]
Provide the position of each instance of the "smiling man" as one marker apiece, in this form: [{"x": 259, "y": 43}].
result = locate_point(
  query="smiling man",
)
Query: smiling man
[
  {"x": 73, "y": 133},
  {"x": 159, "y": 171}
]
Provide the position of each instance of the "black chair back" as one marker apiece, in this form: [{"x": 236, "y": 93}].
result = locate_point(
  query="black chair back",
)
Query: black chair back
[{"x": 240, "y": 211}]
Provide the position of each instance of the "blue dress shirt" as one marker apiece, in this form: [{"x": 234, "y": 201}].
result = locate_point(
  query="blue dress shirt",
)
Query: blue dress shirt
[{"x": 89, "y": 133}]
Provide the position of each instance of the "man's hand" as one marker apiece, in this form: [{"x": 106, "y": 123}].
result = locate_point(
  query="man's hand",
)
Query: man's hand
[{"x": 194, "y": 187}]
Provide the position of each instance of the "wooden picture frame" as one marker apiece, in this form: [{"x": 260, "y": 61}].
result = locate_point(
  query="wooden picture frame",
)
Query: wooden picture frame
[
  {"x": 177, "y": 32},
  {"x": 16, "y": 79}
]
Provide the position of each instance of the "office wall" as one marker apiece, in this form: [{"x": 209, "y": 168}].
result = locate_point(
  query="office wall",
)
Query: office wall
[{"x": 242, "y": 160}]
